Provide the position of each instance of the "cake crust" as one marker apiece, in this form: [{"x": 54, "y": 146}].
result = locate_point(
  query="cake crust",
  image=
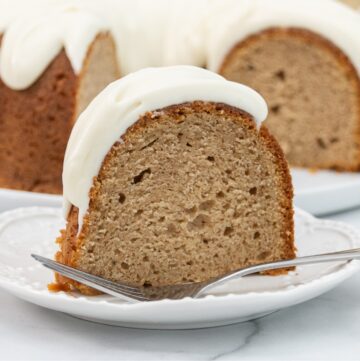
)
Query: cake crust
[{"x": 71, "y": 243}]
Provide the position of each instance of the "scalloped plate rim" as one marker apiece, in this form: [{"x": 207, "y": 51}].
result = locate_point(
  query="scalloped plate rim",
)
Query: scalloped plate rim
[{"x": 51, "y": 300}]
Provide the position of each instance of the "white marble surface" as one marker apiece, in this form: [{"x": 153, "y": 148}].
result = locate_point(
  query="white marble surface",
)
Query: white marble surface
[{"x": 327, "y": 328}]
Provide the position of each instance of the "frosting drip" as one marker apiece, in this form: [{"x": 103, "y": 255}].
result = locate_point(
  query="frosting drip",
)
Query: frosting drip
[
  {"x": 32, "y": 42},
  {"x": 121, "y": 104},
  {"x": 238, "y": 19},
  {"x": 12, "y": 9},
  {"x": 157, "y": 32},
  {"x": 202, "y": 32}
]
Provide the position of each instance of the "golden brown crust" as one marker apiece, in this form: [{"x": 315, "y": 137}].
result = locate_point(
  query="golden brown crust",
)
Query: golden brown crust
[
  {"x": 321, "y": 42},
  {"x": 71, "y": 243},
  {"x": 288, "y": 231}
]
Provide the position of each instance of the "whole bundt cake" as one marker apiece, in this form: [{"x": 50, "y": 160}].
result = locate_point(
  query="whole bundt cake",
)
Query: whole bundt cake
[{"x": 301, "y": 55}]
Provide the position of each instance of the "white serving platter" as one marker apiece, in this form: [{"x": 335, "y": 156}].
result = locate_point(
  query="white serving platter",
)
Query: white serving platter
[
  {"x": 33, "y": 230},
  {"x": 323, "y": 192},
  {"x": 10, "y": 199}
]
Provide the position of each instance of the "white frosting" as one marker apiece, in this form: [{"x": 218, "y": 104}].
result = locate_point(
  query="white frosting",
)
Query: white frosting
[
  {"x": 138, "y": 28},
  {"x": 185, "y": 33},
  {"x": 12, "y": 9},
  {"x": 237, "y": 19},
  {"x": 32, "y": 42},
  {"x": 121, "y": 104},
  {"x": 157, "y": 32},
  {"x": 198, "y": 32}
]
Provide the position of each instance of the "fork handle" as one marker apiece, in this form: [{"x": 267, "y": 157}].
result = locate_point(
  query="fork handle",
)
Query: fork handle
[{"x": 346, "y": 255}]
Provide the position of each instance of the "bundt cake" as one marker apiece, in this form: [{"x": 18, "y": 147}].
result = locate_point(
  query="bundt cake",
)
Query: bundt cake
[
  {"x": 52, "y": 65},
  {"x": 301, "y": 55},
  {"x": 169, "y": 177},
  {"x": 307, "y": 67}
]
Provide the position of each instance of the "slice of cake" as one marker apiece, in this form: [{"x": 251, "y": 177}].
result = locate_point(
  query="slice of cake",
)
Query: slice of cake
[
  {"x": 52, "y": 64},
  {"x": 169, "y": 177},
  {"x": 303, "y": 57}
]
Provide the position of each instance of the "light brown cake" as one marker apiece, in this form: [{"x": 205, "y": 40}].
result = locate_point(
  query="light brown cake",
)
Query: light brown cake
[
  {"x": 353, "y": 3},
  {"x": 313, "y": 93},
  {"x": 35, "y": 123},
  {"x": 190, "y": 192}
]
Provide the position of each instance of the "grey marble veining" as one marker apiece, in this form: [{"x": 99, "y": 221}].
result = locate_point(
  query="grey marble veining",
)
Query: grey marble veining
[{"x": 326, "y": 328}]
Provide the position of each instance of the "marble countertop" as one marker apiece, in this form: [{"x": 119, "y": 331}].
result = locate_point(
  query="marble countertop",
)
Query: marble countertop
[{"x": 326, "y": 328}]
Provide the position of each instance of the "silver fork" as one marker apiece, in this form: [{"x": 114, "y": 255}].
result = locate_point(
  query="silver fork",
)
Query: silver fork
[{"x": 194, "y": 290}]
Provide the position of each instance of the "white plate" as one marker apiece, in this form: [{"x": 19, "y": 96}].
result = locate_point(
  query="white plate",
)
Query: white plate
[
  {"x": 10, "y": 199},
  {"x": 319, "y": 193},
  {"x": 28, "y": 230},
  {"x": 324, "y": 192}
]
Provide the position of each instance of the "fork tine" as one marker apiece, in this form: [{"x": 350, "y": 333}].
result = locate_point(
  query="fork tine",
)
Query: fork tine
[
  {"x": 96, "y": 282},
  {"x": 118, "y": 289},
  {"x": 101, "y": 281},
  {"x": 109, "y": 289},
  {"x": 60, "y": 266}
]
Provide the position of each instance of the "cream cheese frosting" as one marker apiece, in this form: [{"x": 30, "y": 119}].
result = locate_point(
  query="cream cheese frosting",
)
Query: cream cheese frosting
[
  {"x": 139, "y": 29},
  {"x": 157, "y": 32},
  {"x": 12, "y": 9},
  {"x": 121, "y": 104},
  {"x": 202, "y": 32},
  {"x": 238, "y": 19},
  {"x": 31, "y": 42}
]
